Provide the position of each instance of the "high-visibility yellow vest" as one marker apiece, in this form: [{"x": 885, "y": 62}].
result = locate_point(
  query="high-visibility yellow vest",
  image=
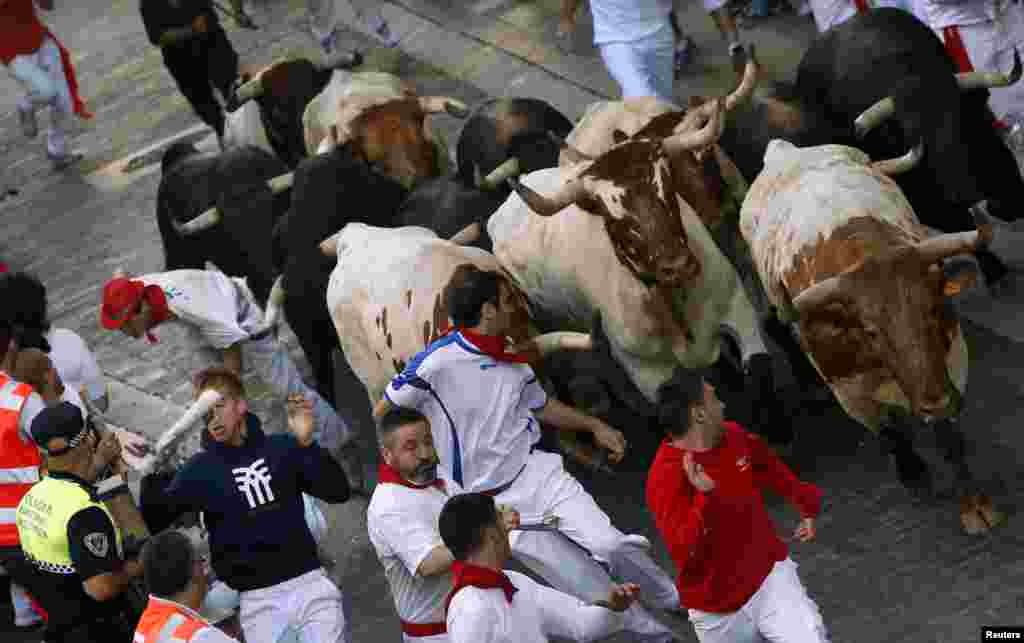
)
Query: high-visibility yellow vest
[{"x": 43, "y": 516}]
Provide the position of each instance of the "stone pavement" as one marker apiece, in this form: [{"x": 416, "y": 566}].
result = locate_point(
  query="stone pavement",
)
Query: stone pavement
[{"x": 884, "y": 568}]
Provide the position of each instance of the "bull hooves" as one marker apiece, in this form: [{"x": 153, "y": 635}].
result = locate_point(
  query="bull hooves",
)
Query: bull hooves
[{"x": 978, "y": 514}]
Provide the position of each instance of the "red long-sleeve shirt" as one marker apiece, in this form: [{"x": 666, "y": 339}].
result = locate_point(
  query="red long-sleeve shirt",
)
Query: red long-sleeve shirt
[{"x": 724, "y": 543}]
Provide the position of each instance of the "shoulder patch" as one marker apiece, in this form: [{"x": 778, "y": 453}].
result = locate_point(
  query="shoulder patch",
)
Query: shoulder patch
[{"x": 97, "y": 543}]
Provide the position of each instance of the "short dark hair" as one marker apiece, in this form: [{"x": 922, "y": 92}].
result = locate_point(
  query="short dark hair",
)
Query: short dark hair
[
  {"x": 24, "y": 298},
  {"x": 676, "y": 398},
  {"x": 395, "y": 418},
  {"x": 168, "y": 560},
  {"x": 463, "y": 521},
  {"x": 467, "y": 292}
]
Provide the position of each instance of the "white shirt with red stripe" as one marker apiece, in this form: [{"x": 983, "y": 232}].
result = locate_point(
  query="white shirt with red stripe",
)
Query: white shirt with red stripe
[
  {"x": 535, "y": 615},
  {"x": 939, "y": 15},
  {"x": 402, "y": 524}
]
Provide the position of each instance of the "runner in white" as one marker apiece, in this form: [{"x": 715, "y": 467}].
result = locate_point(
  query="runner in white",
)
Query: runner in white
[
  {"x": 489, "y": 605},
  {"x": 484, "y": 407},
  {"x": 402, "y": 522},
  {"x": 323, "y": 21},
  {"x": 220, "y": 312}
]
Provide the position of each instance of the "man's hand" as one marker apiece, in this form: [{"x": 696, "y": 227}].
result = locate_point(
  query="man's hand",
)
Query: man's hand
[
  {"x": 610, "y": 439},
  {"x": 108, "y": 450},
  {"x": 509, "y": 517},
  {"x": 300, "y": 419},
  {"x": 566, "y": 26},
  {"x": 621, "y": 597},
  {"x": 805, "y": 531},
  {"x": 696, "y": 475},
  {"x": 199, "y": 24}
]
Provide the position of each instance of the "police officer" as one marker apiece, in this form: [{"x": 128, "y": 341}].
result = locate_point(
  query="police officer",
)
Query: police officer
[{"x": 71, "y": 541}]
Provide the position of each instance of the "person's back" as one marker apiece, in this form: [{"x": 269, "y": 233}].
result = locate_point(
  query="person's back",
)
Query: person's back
[
  {"x": 628, "y": 20},
  {"x": 76, "y": 363}
]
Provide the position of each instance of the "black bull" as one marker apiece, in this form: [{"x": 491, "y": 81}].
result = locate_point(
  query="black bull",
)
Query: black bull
[
  {"x": 890, "y": 53},
  {"x": 235, "y": 183}
]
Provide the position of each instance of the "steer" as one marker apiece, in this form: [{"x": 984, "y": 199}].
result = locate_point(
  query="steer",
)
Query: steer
[
  {"x": 271, "y": 101},
  {"x": 504, "y": 128},
  {"x": 221, "y": 207},
  {"x": 841, "y": 252},
  {"x": 886, "y": 64},
  {"x": 381, "y": 117},
  {"x": 613, "y": 236}
]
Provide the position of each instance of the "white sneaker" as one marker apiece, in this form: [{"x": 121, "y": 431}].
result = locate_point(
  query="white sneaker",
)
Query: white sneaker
[
  {"x": 29, "y": 126},
  {"x": 64, "y": 161}
]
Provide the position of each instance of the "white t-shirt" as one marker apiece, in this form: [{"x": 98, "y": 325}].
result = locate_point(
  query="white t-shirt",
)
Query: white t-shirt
[
  {"x": 536, "y": 613},
  {"x": 480, "y": 410},
  {"x": 75, "y": 363},
  {"x": 208, "y": 300},
  {"x": 628, "y": 20},
  {"x": 402, "y": 523}
]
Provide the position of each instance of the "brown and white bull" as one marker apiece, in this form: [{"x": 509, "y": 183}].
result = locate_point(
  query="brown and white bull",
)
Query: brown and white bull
[
  {"x": 385, "y": 121},
  {"x": 615, "y": 236},
  {"x": 841, "y": 252},
  {"x": 386, "y": 298}
]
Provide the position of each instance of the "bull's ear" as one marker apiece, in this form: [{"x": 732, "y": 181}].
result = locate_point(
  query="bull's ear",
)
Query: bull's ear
[{"x": 618, "y": 136}]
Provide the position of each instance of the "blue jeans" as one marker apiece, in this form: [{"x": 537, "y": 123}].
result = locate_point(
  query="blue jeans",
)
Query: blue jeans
[{"x": 643, "y": 67}]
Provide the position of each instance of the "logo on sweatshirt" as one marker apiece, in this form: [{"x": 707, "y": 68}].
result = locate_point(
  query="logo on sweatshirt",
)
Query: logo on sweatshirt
[
  {"x": 254, "y": 482},
  {"x": 743, "y": 463}
]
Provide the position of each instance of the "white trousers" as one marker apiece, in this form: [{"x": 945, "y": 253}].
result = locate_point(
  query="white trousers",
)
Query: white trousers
[
  {"x": 323, "y": 16},
  {"x": 311, "y": 605},
  {"x": 643, "y": 67},
  {"x": 569, "y": 561},
  {"x": 989, "y": 47},
  {"x": 780, "y": 611},
  {"x": 41, "y": 75}
]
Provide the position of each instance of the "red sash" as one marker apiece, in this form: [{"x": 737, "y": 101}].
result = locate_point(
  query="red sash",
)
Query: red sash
[{"x": 69, "y": 72}]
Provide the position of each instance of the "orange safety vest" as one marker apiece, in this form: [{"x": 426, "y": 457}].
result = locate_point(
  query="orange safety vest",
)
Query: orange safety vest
[
  {"x": 167, "y": 622},
  {"x": 19, "y": 462}
]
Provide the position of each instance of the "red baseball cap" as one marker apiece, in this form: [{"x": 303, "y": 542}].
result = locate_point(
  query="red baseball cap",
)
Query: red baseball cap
[{"x": 121, "y": 297}]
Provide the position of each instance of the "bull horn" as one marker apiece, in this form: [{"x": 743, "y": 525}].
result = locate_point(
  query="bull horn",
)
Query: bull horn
[
  {"x": 198, "y": 409},
  {"x": 273, "y": 312},
  {"x": 547, "y": 206},
  {"x": 817, "y": 295},
  {"x": 562, "y": 341},
  {"x": 281, "y": 183},
  {"x": 981, "y": 79},
  {"x": 747, "y": 84},
  {"x": 943, "y": 246},
  {"x": 873, "y": 116},
  {"x": 709, "y": 134},
  {"x": 731, "y": 174},
  {"x": 467, "y": 235},
  {"x": 573, "y": 154},
  {"x": 250, "y": 90},
  {"x": 902, "y": 164},
  {"x": 204, "y": 221},
  {"x": 438, "y": 104},
  {"x": 502, "y": 173},
  {"x": 329, "y": 246},
  {"x": 345, "y": 60}
]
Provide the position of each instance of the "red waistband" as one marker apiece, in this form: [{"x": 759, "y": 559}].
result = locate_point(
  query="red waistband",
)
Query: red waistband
[{"x": 424, "y": 629}]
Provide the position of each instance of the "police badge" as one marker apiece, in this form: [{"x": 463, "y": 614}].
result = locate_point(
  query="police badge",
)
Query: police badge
[{"x": 97, "y": 543}]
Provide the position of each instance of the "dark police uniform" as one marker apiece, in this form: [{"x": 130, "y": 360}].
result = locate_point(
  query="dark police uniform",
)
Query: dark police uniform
[
  {"x": 67, "y": 537},
  {"x": 200, "y": 63}
]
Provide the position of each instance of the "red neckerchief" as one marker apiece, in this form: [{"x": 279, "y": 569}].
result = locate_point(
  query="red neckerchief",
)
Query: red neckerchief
[
  {"x": 490, "y": 345},
  {"x": 470, "y": 575},
  {"x": 387, "y": 473},
  {"x": 862, "y": 6},
  {"x": 77, "y": 103},
  {"x": 157, "y": 300}
]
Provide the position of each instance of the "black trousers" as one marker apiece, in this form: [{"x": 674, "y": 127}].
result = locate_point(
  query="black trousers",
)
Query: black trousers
[{"x": 199, "y": 66}]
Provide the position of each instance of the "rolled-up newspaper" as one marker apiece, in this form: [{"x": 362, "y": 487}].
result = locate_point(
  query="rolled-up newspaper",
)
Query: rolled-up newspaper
[{"x": 198, "y": 409}]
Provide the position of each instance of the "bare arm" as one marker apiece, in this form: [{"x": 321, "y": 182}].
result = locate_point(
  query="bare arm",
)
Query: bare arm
[
  {"x": 566, "y": 418},
  {"x": 438, "y": 562}
]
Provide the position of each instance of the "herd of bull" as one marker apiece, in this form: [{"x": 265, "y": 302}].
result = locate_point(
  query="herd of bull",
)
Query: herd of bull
[{"x": 851, "y": 199}]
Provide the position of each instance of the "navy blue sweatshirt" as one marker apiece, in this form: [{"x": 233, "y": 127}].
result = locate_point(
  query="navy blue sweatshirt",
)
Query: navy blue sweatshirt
[{"x": 251, "y": 499}]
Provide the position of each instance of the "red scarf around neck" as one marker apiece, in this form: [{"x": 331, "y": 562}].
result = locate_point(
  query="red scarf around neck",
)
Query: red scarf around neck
[
  {"x": 387, "y": 473},
  {"x": 490, "y": 345},
  {"x": 470, "y": 575}
]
